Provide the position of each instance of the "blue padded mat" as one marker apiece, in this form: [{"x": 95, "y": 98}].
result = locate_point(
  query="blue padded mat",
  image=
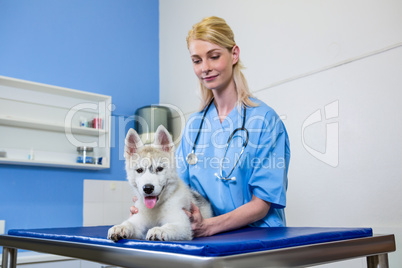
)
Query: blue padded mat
[{"x": 235, "y": 242}]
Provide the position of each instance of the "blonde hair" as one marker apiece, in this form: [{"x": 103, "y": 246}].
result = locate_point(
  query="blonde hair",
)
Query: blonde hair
[{"x": 215, "y": 30}]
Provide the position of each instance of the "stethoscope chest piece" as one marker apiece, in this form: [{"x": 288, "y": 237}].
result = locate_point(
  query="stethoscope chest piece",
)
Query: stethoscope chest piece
[{"x": 192, "y": 159}]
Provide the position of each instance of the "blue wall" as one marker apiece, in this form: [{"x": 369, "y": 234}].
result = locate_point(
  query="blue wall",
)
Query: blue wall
[{"x": 109, "y": 47}]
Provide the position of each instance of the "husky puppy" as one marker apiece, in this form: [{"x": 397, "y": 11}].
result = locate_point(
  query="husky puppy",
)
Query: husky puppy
[{"x": 162, "y": 195}]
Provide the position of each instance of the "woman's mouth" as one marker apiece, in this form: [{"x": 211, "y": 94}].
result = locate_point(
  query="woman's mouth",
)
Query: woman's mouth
[{"x": 210, "y": 78}]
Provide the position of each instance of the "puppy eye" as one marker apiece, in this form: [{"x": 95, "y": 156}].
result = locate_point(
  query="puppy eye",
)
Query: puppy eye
[
  {"x": 159, "y": 169},
  {"x": 139, "y": 170}
]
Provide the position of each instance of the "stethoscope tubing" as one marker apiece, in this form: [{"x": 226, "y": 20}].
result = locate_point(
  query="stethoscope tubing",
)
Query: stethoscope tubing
[
  {"x": 202, "y": 122},
  {"x": 192, "y": 158}
]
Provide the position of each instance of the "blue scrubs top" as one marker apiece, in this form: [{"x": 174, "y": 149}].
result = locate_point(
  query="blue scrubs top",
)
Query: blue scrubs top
[{"x": 262, "y": 168}]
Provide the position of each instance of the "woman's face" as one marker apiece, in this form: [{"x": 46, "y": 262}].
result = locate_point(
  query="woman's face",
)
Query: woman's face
[{"x": 213, "y": 64}]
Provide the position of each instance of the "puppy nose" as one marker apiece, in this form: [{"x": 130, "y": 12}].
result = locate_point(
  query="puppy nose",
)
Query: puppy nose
[{"x": 148, "y": 188}]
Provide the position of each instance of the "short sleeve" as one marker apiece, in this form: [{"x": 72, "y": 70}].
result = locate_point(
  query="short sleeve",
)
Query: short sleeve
[{"x": 269, "y": 180}]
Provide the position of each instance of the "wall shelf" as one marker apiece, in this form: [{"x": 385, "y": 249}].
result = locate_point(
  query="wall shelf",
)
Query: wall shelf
[
  {"x": 51, "y": 164},
  {"x": 49, "y": 126},
  {"x": 46, "y": 119}
]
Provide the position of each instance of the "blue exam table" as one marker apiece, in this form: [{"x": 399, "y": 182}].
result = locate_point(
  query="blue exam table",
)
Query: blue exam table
[{"x": 247, "y": 247}]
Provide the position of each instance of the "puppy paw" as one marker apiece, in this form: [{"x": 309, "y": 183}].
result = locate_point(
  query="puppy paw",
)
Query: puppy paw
[
  {"x": 157, "y": 234},
  {"x": 118, "y": 232}
]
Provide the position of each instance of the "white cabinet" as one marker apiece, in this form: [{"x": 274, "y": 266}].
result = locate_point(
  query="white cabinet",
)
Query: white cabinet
[{"x": 42, "y": 124}]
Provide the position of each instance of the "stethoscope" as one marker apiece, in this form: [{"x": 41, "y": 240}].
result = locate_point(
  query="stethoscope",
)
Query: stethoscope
[{"x": 192, "y": 158}]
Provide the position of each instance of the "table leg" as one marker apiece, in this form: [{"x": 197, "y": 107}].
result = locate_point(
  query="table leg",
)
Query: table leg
[
  {"x": 378, "y": 261},
  {"x": 9, "y": 259}
]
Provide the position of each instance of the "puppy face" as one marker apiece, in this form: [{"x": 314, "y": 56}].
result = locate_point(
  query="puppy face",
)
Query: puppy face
[{"x": 150, "y": 169}]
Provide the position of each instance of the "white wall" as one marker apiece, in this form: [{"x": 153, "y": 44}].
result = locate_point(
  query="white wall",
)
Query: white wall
[
  {"x": 106, "y": 202},
  {"x": 303, "y": 57}
]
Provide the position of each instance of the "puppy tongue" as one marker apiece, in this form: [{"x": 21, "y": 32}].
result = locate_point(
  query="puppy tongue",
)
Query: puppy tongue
[{"x": 150, "y": 201}]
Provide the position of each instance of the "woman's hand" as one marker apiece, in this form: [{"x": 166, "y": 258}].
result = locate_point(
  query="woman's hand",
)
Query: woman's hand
[
  {"x": 242, "y": 216},
  {"x": 198, "y": 223},
  {"x": 134, "y": 209}
]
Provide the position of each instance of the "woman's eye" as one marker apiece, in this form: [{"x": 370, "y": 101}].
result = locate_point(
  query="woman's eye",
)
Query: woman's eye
[
  {"x": 159, "y": 169},
  {"x": 139, "y": 170},
  {"x": 196, "y": 61},
  {"x": 215, "y": 57}
]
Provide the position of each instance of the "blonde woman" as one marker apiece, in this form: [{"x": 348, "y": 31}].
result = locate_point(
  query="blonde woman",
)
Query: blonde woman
[{"x": 235, "y": 151}]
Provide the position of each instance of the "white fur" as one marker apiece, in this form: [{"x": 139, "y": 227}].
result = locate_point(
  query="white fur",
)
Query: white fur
[{"x": 167, "y": 220}]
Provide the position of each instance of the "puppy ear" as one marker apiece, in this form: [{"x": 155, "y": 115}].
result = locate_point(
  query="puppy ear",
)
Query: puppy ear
[
  {"x": 133, "y": 143},
  {"x": 163, "y": 139}
]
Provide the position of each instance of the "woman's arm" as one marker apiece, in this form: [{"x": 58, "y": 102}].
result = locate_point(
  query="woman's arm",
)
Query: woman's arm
[{"x": 250, "y": 212}]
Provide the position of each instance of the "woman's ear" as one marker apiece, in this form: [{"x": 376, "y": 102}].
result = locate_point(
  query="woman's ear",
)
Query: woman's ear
[{"x": 235, "y": 54}]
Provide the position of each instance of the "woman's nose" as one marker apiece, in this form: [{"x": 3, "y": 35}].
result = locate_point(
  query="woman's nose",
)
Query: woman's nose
[{"x": 205, "y": 68}]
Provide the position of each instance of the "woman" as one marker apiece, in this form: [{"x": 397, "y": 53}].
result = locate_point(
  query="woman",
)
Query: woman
[{"x": 244, "y": 188}]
